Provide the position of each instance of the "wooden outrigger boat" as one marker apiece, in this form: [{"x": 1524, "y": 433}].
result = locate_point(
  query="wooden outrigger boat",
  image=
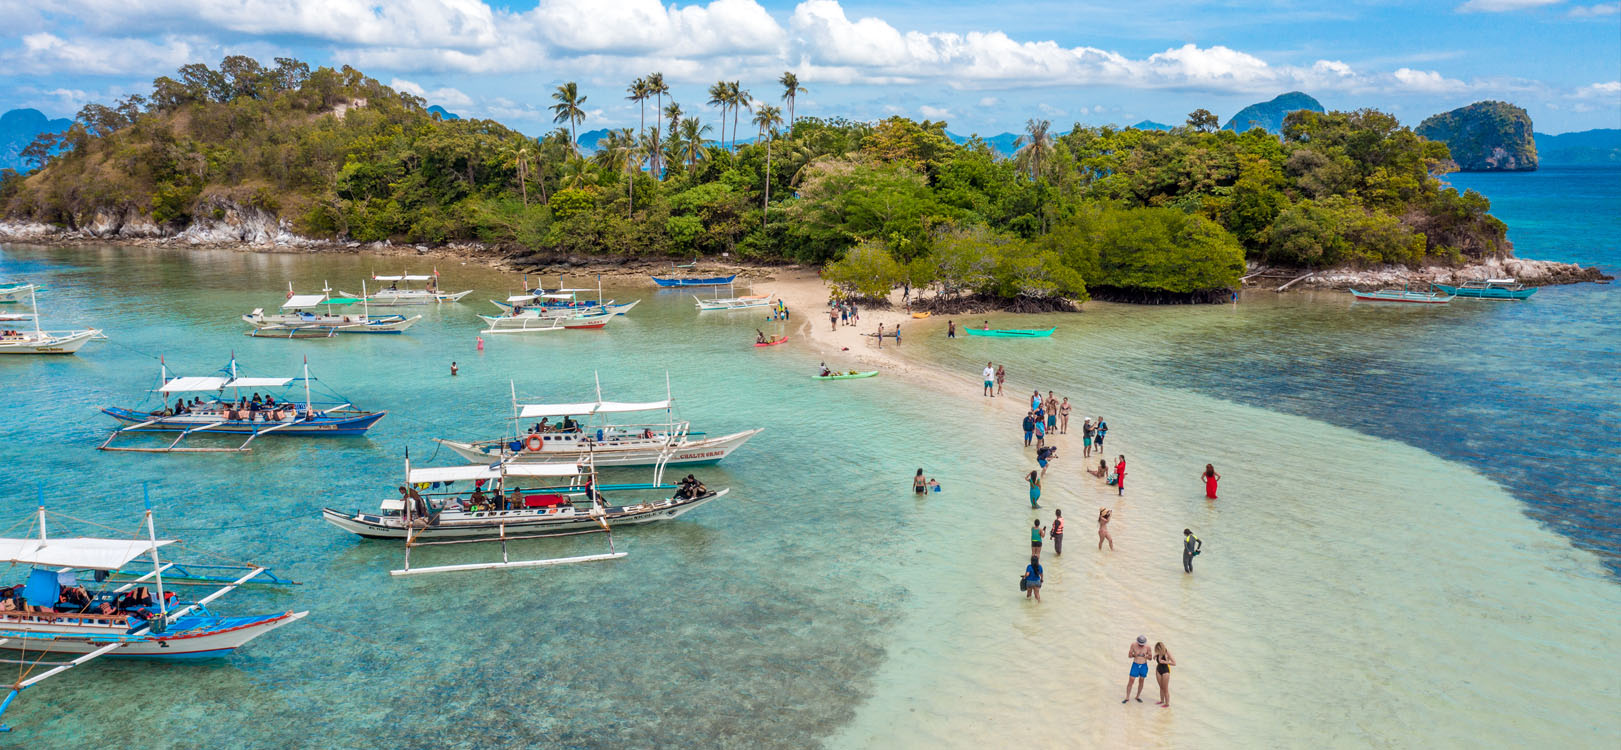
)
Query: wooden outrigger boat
[
  {"x": 701, "y": 281},
  {"x": 40, "y": 341},
  {"x": 228, "y": 416},
  {"x": 851, "y": 375},
  {"x": 1403, "y": 295},
  {"x": 295, "y": 318},
  {"x": 512, "y": 512},
  {"x": 394, "y": 296},
  {"x": 52, "y": 614},
  {"x": 535, "y": 320},
  {"x": 16, "y": 292},
  {"x": 734, "y": 303},
  {"x": 565, "y": 299},
  {"x": 1506, "y": 289},
  {"x": 603, "y": 443}
]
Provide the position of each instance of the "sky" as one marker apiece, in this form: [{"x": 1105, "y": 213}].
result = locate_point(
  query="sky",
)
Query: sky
[{"x": 983, "y": 67}]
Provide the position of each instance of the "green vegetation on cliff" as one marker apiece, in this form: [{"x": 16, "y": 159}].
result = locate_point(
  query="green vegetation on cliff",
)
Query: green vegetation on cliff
[
  {"x": 1129, "y": 212},
  {"x": 1485, "y": 137}
]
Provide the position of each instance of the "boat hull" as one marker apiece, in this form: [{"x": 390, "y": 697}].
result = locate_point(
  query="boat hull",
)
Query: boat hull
[
  {"x": 15, "y": 293},
  {"x": 326, "y": 426},
  {"x": 849, "y": 376},
  {"x": 782, "y": 340},
  {"x": 408, "y": 299},
  {"x": 189, "y": 637},
  {"x": 1011, "y": 333},
  {"x": 332, "y": 324},
  {"x": 632, "y": 453},
  {"x": 1488, "y": 293},
  {"x": 709, "y": 281},
  {"x": 495, "y": 523},
  {"x": 1409, "y": 298},
  {"x": 67, "y": 344}
]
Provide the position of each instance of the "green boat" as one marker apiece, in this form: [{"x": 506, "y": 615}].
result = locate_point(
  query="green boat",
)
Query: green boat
[
  {"x": 846, "y": 375},
  {"x": 1489, "y": 289},
  {"x": 1011, "y": 333}
]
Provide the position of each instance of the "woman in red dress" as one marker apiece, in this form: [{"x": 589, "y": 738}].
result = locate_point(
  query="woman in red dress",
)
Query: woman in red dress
[{"x": 1210, "y": 478}]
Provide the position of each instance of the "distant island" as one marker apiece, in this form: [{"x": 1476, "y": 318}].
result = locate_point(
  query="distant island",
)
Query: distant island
[
  {"x": 1269, "y": 115},
  {"x": 1587, "y": 148},
  {"x": 289, "y": 156},
  {"x": 20, "y": 127},
  {"x": 1487, "y": 136}
]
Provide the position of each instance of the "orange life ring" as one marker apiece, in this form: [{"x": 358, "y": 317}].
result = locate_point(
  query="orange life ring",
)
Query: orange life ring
[{"x": 533, "y": 443}]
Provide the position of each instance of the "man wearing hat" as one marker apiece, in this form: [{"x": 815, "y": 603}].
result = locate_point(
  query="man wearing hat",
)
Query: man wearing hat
[{"x": 1139, "y": 655}]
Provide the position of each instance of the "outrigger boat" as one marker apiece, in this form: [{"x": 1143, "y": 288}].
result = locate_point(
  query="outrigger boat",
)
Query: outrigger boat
[
  {"x": 394, "y": 296},
  {"x": 734, "y": 303},
  {"x": 851, "y": 375},
  {"x": 604, "y": 443},
  {"x": 1489, "y": 289},
  {"x": 227, "y": 415},
  {"x": 53, "y": 614},
  {"x": 513, "y": 512},
  {"x": 703, "y": 281},
  {"x": 16, "y": 291},
  {"x": 535, "y": 320},
  {"x": 563, "y": 298},
  {"x": 1403, "y": 295},
  {"x": 40, "y": 341},
  {"x": 295, "y": 318}
]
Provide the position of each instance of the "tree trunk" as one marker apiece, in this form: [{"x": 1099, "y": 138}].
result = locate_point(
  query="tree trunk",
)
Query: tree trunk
[{"x": 765, "y": 206}]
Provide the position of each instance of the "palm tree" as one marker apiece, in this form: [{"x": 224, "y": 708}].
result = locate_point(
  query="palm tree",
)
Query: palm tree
[
  {"x": 638, "y": 92},
  {"x": 720, "y": 95},
  {"x": 740, "y": 101},
  {"x": 567, "y": 109},
  {"x": 578, "y": 173},
  {"x": 767, "y": 118},
  {"x": 658, "y": 88},
  {"x": 672, "y": 112},
  {"x": 1035, "y": 145},
  {"x": 519, "y": 155},
  {"x": 692, "y": 141},
  {"x": 790, "y": 91}
]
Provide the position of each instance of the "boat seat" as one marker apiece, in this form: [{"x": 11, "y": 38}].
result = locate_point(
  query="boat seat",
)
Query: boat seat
[{"x": 544, "y": 501}]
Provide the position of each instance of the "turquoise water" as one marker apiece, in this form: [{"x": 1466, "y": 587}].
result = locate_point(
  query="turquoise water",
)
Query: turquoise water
[{"x": 1392, "y": 562}]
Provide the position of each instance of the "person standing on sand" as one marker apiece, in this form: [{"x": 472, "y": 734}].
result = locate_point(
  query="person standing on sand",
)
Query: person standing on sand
[
  {"x": 1032, "y": 579},
  {"x": 1035, "y": 489},
  {"x": 1001, "y": 377},
  {"x": 1162, "y": 673},
  {"x": 920, "y": 485},
  {"x": 1029, "y": 425},
  {"x": 1052, "y": 412},
  {"x": 1045, "y": 455},
  {"x": 1099, "y": 430},
  {"x": 1104, "y": 514},
  {"x": 1191, "y": 546},
  {"x": 1036, "y": 534},
  {"x": 1063, "y": 417},
  {"x": 880, "y": 335},
  {"x": 1139, "y": 656},
  {"x": 1058, "y": 533},
  {"x": 1086, "y": 439},
  {"x": 990, "y": 376},
  {"x": 1120, "y": 475},
  {"x": 1041, "y": 432},
  {"x": 832, "y": 319},
  {"x": 1035, "y": 400},
  {"x": 951, "y": 329},
  {"x": 855, "y": 314},
  {"x": 1210, "y": 478},
  {"x": 897, "y": 335}
]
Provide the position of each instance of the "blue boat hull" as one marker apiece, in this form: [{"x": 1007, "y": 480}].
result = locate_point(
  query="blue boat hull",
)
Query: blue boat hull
[
  {"x": 319, "y": 427},
  {"x": 711, "y": 281},
  {"x": 1487, "y": 293}
]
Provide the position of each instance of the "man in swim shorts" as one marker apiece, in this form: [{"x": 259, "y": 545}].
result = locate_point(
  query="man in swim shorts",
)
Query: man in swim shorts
[
  {"x": 990, "y": 376},
  {"x": 1139, "y": 655}
]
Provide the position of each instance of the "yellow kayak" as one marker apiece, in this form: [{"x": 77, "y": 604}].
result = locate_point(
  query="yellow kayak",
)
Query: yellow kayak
[{"x": 921, "y": 315}]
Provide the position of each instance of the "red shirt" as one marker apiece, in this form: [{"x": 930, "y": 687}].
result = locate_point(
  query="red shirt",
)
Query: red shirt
[{"x": 1120, "y": 468}]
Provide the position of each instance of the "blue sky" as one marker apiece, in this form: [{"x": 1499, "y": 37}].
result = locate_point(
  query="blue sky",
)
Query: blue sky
[{"x": 983, "y": 67}]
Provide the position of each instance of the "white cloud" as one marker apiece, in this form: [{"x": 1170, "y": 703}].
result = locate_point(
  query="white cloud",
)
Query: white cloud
[
  {"x": 647, "y": 26},
  {"x": 1502, "y": 6},
  {"x": 1602, "y": 10},
  {"x": 989, "y": 101},
  {"x": 1605, "y": 90},
  {"x": 934, "y": 113},
  {"x": 448, "y": 97},
  {"x": 45, "y": 53},
  {"x": 1427, "y": 81}
]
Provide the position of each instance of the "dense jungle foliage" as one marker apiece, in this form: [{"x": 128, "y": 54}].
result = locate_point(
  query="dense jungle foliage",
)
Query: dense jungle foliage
[{"x": 338, "y": 155}]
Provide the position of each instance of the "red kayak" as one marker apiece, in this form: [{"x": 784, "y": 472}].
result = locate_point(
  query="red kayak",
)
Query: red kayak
[{"x": 774, "y": 342}]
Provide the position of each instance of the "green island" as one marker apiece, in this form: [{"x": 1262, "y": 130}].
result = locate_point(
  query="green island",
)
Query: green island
[
  {"x": 1145, "y": 215},
  {"x": 1487, "y": 136}
]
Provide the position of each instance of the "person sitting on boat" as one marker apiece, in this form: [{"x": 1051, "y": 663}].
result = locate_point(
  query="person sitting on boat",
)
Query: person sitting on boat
[
  {"x": 73, "y": 599},
  {"x": 825, "y": 371},
  {"x": 759, "y": 336},
  {"x": 478, "y": 499}
]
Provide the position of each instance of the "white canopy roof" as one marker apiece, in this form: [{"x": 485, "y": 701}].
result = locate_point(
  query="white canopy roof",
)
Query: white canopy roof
[
  {"x": 304, "y": 300},
  {"x": 468, "y": 473},
  {"x": 402, "y": 278},
  {"x": 188, "y": 385},
  {"x": 258, "y": 382},
  {"x": 558, "y": 296},
  {"x": 521, "y": 298},
  {"x": 576, "y": 290},
  {"x": 76, "y": 552},
  {"x": 531, "y": 411}
]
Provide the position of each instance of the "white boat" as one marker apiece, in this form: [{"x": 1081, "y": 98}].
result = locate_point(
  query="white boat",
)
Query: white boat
[
  {"x": 604, "y": 442},
  {"x": 40, "y": 341},
  {"x": 63, "y": 613},
  {"x": 538, "y": 319},
  {"x": 15, "y": 292},
  {"x": 513, "y": 512},
  {"x": 296, "y": 319},
  {"x": 734, "y": 303},
  {"x": 394, "y": 296},
  {"x": 527, "y": 302}
]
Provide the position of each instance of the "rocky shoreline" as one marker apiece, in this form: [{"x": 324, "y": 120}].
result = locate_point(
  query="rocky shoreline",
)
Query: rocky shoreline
[{"x": 246, "y": 229}]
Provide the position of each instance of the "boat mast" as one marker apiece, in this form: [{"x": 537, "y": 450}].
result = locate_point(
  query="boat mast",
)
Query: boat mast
[
  {"x": 33, "y": 304},
  {"x": 152, "y": 534},
  {"x": 515, "y": 426},
  {"x": 309, "y": 409},
  {"x": 365, "y": 305}
]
